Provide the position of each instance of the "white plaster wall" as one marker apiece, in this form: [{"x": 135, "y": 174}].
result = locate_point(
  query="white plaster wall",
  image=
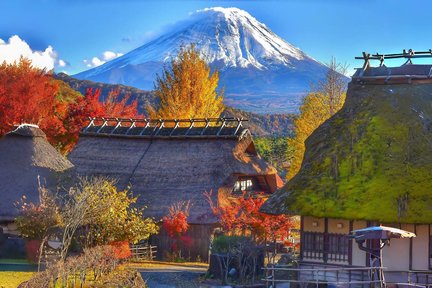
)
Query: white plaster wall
[
  {"x": 307, "y": 224},
  {"x": 421, "y": 248},
  {"x": 333, "y": 226},
  {"x": 359, "y": 256},
  {"x": 397, "y": 255}
]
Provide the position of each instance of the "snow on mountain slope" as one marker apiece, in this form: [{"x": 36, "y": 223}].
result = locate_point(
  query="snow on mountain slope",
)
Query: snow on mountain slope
[{"x": 259, "y": 70}]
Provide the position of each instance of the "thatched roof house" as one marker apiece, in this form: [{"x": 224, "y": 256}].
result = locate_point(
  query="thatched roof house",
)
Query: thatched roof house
[
  {"x": 168, "y": 163},
  {"x": 370, "y": 164},
  {"x": 25, "y": 156}
]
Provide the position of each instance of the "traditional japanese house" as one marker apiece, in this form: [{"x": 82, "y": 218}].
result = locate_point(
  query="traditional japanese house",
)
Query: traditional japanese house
[
  {"x": 26, "y": 159},
  {"x": 167, "y": 161},
  {"x": 371, "y": 163}
]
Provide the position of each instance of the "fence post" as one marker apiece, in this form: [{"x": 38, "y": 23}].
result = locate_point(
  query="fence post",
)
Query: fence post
[{"x": 273, "y": 277}]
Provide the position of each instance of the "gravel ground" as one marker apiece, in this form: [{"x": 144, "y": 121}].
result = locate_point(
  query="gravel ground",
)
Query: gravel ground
[{"x": 172, "y": 276}]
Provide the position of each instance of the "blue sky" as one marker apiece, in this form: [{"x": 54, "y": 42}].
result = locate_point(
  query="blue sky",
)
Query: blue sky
[{"x": 82, "y": 29}]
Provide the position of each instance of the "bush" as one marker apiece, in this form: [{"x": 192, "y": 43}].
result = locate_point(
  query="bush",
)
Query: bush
[
  {"x": 121, "y": 249},
  {"x": 238, "y": 252},
  {"x": 224, "y": 244},
  {"x": 92, "y": 268}
]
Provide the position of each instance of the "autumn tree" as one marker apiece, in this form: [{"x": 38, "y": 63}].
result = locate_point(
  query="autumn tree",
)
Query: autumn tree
[
  {"x": 240, "y": 215},
  {"x": 187, "y": 89},
  {"x": 92, "y": 104},
  {"x": 27, "y": 95},
  {"x": 31, "y": 95},
  {"x": 327, "y": 97},
  {"x": 176, "y": 225}
]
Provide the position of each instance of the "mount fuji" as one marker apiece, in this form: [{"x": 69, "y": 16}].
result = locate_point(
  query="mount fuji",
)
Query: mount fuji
[{"x": 259, "y": 71}]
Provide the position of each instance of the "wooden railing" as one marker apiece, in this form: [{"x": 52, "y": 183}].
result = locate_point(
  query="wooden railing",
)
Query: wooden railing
[
  {"x": 341, "y": 277},
  {"x": 345, "y": 276}
]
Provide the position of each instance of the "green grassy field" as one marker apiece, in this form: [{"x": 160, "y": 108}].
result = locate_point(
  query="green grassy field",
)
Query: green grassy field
[{"x": 11, "y": 279}]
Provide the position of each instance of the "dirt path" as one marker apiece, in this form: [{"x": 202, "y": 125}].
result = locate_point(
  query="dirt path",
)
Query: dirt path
[{"x": 171, "y": 275}]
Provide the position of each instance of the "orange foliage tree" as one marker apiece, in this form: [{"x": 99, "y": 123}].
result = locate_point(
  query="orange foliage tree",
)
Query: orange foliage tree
[
  {"x": 27, "y": 95},
  {"x": 326, "y": 99},
  {"x": 242, "y": 215},
  {"x": 187, "y": 89},
  {"x": 31, "y": 95},
  {"x": 115, "y": 105}
]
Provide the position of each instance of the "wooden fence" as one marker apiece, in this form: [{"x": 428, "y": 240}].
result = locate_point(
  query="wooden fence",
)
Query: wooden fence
[
  {"x": 143, "y": 251},
  {"x": 195, "y": 248}
]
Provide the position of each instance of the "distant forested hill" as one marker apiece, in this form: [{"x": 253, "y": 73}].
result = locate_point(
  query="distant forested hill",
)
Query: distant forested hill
[{"x": 261, "y": 125}]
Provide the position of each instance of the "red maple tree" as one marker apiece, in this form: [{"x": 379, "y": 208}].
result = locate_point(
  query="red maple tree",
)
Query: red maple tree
[
  {"x": 242, "y": 215},
  {"x": 176, "y": 225},
  {"x": 27, "y": 95},
  {"x": 31, "y": 95}
]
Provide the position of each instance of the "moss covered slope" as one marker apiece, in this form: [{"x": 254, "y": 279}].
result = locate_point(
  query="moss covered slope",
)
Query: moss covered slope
[{"x": 372, "y": 160}]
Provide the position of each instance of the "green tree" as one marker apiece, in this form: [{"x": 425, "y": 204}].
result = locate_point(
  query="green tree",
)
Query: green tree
[
  {"x": 327, "y": 97},
  {"x": 187, "y": 89}
]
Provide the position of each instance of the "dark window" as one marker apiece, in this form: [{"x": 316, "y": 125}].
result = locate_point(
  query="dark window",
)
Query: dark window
[
  {"x": 313, "y": 245},
  {"x": 338, "y": 247},
  {"x": 333, "y": 247}
]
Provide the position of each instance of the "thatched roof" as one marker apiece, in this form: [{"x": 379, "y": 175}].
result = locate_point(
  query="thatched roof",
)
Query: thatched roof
[
  {"x": 163, "y": 169},
  {"x": 372, "y": 160},
  {"x": 26, "y": 155}
]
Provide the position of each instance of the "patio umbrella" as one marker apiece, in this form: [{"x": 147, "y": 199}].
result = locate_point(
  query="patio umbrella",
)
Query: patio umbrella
[
  {"x": 380, "y": 232},
  {"x": 383, "y": 234}
]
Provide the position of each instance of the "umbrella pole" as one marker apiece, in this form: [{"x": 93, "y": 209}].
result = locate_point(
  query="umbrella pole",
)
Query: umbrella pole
[{"x": 381, "y": 272}]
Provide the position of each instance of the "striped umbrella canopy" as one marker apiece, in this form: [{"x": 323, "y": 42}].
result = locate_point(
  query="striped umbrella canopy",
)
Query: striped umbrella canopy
[{"x": 380, "y": 232}]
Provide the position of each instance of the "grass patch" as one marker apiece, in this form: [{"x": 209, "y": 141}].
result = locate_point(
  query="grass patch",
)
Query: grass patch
[
  {"x": 10, "y": 279},
  {"x": 14, "y": 261}
]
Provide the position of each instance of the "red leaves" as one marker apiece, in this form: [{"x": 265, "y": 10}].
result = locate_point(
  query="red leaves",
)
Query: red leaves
[
  {"x": 121, "y": 249},
  {"x": 29, "y": 95},
  {"x": 242, "y": 214},
  {"x": 175, "y": 224}
]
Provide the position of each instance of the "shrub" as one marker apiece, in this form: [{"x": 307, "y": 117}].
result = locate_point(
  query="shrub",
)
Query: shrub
[{"x": 121, "y": 249}]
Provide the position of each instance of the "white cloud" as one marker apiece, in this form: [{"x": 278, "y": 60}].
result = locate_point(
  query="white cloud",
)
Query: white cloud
[
  {"x": 62, "y": 63},
  {"x": 97, "y": 61},
  {"x": 16, "y": 47}
]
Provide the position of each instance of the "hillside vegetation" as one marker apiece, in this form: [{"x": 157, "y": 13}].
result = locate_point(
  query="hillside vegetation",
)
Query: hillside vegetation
[{"x": 261, "y": 125}]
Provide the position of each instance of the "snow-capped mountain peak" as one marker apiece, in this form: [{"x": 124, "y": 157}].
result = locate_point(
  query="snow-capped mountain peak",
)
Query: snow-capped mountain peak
[{"x": 230, "y": 40}]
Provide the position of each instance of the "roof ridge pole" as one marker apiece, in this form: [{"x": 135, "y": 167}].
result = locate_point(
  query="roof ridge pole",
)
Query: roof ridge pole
[
  {"x": 145, "y": 127},
  {"x": 222, "y": 126},
  {"x": 133, "y": 121},
  {"x": 239, "y": 124},
  {"x": 119, "y": 121},
  {"x": 206, "y": 126},
  {"x": 366, "y": 64},
  {"x": 175, "y": 126},
  {"x": 191, "y": 125},
  {"x": 92, "y": 119},
  {"x": 103, "y": 125},
  {"x": 159, "y": 128}
]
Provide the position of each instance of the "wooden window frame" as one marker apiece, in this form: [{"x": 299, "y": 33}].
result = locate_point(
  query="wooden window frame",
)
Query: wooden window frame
[{"x": 325, "y": 246}]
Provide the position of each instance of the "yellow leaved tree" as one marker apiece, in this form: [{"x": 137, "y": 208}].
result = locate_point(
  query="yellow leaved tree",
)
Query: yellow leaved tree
[
  {"x": 187, "y": 89},
  {"x": 326, "y": 98}
]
